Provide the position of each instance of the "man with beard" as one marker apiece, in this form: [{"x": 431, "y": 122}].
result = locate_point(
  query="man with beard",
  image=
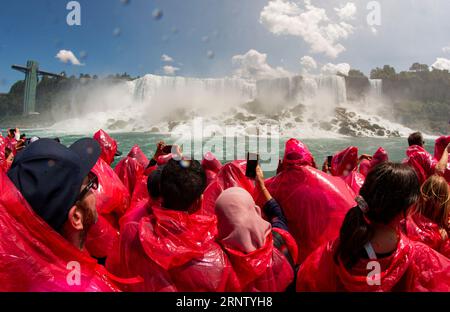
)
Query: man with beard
[{"x": 57, "y": 181}]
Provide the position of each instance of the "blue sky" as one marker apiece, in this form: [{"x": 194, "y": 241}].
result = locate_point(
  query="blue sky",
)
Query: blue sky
[{"x": 411, "y": 30}]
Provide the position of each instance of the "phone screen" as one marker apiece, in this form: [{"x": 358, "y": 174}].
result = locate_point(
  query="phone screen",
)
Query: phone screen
[
  {"x": 330, "y": 158},
  {"x": 252, "y": 163}
]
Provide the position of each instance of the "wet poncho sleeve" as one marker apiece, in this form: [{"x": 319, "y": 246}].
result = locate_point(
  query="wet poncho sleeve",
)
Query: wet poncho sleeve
[{"x": 276, "y": 217}]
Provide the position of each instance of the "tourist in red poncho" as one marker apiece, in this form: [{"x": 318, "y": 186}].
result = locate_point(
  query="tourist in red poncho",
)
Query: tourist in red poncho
[
  {"x": 429, "y": 221},
  {"x": 371, "y": 254},
  {"x": 112, "y": 197},
  {"x": 212, "y": 167},
  {"x": 313, "y": 202},
  {"x": 230, "y": 175},
  {"x": 12, "y": 139},
  {"x": 108, "y": 146},
  {"x": 263, "y": 253},
  {"x": 131, "y": 169},
  {"x": 174, "y": 248},
  {"x": 421, "y": 160},
  {"x": 440, "y": 145},
  {"x": 344, "y": 165},
  {"x": 367, "y": 163},
  {"x": 46, "y": 210}
]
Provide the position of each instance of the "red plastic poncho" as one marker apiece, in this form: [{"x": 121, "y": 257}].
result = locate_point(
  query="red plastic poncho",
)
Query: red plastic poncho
[
  {"x": 344, "y": 165},
  {"x": 34, "y": 258},
  {"x": 131, "y": 168},
  {"x": 296, "y": 154},
  {"x": 364, "y": 167},
  {"x": 313, "y": 202},
  {"x": 266, "y": 269},
  {"x": 139, "y": 202},
  {"x": 413, "y": 267},
  {"x": 421, "y": 229},
  {"x": 355, "y": 181},
  {"x": 344, "y": 162},
  {"x": 231, "y": 175},
  {"x": 112, "y": 201},
  {"x": 11, "y": 144},
  {"x": 139, "y": 155},
  {"x": 421, "y": 161},
  {"x": 378, "y": 157},
  {"x": 3, "y": 164},
  {"x": 174, "y": 251},
  {"x": 211, "y": 166},
  {"x": 439, "y": 147},
  {"x": 108, "y": 146}
]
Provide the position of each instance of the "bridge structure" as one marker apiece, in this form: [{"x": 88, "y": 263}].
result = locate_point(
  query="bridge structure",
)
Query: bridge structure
[{"x": 31, "y": 72}]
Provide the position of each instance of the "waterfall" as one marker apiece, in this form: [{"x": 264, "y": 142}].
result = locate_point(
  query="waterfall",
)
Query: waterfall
[
  {"x": 301, "y": 88},
  {"x": 149, "y": 86},
  {"x": 376, "y": 87}
]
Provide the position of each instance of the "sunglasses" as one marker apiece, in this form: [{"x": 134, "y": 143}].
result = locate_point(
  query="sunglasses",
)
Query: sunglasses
[{"x": 92, "y": 185}]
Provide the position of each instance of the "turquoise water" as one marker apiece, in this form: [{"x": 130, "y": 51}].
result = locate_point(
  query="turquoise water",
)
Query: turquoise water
[{"x": 320, "y": 148}]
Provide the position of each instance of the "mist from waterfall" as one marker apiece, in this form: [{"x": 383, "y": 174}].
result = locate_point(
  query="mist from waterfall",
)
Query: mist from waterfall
[{"x": 303, "y": 106}]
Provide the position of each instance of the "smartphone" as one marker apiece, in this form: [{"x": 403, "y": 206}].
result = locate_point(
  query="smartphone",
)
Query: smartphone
[
  {"x": 330, "y": 158},
  {"x": 252, "y": 163},
  {"x": 167, "y": 149}
]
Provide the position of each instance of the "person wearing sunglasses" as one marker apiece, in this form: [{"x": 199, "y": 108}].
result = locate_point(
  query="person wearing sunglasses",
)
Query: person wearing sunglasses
[{"x": 57, "y": 182}]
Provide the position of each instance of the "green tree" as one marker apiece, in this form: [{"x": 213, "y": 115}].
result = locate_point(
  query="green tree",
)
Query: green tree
[
  {"x": 417, "y": 67},
  {"x": 356, "y": 73},
  {"x": 387, "y": 72}
]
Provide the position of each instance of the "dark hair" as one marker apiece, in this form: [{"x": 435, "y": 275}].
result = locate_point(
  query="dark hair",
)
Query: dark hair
[
  {"x": 8, "y": 152},
  {"x": 154, "y": 183},
  {"x": 415, "y": 138},
  {"x": 389, "y": 190},
  {"x": 182, "y": 183},
  {"x": 12, "y": 131}
]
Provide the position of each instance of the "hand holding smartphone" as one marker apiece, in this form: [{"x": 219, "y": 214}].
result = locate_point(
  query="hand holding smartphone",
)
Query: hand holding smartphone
[
  {"x": 252, "y": 163},
  {"x": 167, "y": 149}
]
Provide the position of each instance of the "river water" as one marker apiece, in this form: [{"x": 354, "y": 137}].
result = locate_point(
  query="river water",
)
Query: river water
[{"x": 320, "y": 148}]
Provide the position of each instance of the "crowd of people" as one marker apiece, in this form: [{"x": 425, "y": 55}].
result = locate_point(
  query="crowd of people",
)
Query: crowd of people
[{"x": 71, "y": 222}]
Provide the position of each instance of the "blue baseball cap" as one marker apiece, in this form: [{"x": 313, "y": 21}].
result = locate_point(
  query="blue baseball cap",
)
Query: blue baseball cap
[{"x": 49, "y": 175}]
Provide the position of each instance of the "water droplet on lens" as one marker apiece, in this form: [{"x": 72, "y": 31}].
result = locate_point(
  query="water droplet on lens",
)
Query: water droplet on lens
[
  {"x": 205, "y": 39},
  {"x": 117, "y": 32},
  {"x": 210, "y": 54},
  {"x": 125, "y": 2},
  {"x": 157, "y": 14}
]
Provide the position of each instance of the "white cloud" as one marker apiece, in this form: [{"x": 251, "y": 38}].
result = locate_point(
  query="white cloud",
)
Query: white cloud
[
  {"x": 283, "y": 17},
  {"x": 442, "y": 64},
  {"x": 170, "y": 70},
  {"x": 66, "y": 56},
  {"x": 347, "y": 12},
  {"x": 166, "y": 58},
  {"x": 308, "y": 64},
  {"x": 333, "y": 69},
  {"x": 446, "y": 49},
  {"x": 253, "y": 65}
]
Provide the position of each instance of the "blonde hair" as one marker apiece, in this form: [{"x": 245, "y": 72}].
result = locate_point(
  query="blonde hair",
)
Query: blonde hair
[{"x": 434, "y": 202}]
